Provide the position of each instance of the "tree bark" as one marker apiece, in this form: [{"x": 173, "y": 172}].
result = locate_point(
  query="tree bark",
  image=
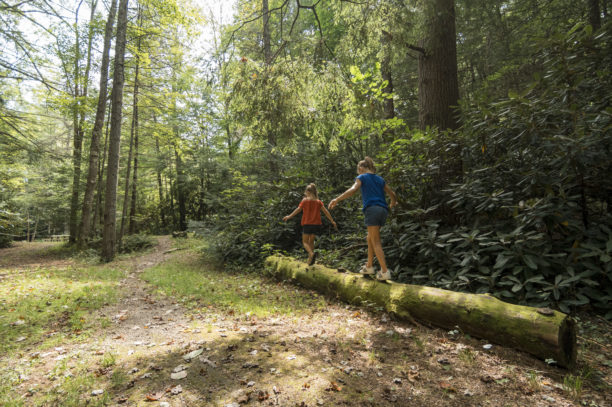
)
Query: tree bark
[
  {"x": 132, "y": 226},
  {"x": 96, "y": 134},
  {"x": 110, "y": 201},
  {"x": 541, "y": 332},
  {"x": 77, "y": 138},
  {"x": 438, "y": 83},
  {"x": 162, "y": 215},
  {"x": 180, "y": 190},
  {"x": 385, "y": 70},
  {"x": 594, "y": 14},
  {"x": 126, "y": 190},
  {"x": 98, "y": 220},
  {"x": 266, "y": 31}
]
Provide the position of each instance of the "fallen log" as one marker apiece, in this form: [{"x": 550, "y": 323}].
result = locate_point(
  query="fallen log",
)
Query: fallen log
[{"x": 544, "y": 333}]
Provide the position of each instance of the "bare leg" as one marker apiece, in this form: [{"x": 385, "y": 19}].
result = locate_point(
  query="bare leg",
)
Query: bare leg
[
  {"x": 374, "y": 241},
  {"x": 311, "y": 242},
  {"x": 306, "y": 243},
  {"x": 370, "y": 250}
]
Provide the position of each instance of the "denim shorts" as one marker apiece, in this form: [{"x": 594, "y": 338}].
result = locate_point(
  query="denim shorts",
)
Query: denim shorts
[{"x": 375, "y": 215}]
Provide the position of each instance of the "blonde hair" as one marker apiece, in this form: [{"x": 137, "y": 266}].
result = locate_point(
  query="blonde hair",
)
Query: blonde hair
[
  {"x": 367, "y": 163},
  {"x": 312, "y": 188}
]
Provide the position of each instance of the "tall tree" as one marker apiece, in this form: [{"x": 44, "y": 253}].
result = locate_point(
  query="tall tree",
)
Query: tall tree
[
  {"x": 96, "y": 134},
  {"x": 81, "y": 85},
  {"x": 438, "y": 84},
  {"x": 110, "y": 201}
]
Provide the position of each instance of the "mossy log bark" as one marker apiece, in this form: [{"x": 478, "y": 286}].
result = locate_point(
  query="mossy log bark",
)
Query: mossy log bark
[{"x": 543, "y": 333}]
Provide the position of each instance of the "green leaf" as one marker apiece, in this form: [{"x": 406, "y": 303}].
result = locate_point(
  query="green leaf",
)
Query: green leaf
[{"x": 529, "y": 261}]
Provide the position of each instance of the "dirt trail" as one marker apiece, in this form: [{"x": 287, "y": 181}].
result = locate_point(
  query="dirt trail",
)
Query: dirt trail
[{"x": 340, "y": 355}]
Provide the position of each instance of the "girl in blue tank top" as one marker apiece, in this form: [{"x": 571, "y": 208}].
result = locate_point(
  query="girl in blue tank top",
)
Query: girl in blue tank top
[{"x": 375, "y": 210}]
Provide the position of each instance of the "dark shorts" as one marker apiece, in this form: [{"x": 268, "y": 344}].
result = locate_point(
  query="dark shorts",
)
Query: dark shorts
[
  {"x": 375, "y": 215},
  {"x": 312, "y": 229}
]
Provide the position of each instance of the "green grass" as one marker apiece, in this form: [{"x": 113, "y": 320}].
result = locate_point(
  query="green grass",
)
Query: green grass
[
  {"x": 197, "y": 283},
  {"x": 35, "y": 304}
]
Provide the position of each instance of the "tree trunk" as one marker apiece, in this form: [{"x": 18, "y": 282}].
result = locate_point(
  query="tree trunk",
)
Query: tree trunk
[
  {"x": 162, "y": 214},
  {"x": 96, "y": 134},
  {"x": 180, "y": 190},
  {"x": 266, "y": 31},
  {"x": 98, "y": 220},
  {"x": 385, "y": 70},
  {"x": 79, "y": 120},
  {"x": 541, "y": 332},
  {"x": 132, "y": 227},
  {"x": 126, "y": 190},
  {"x": 77, "y": 139},
  {"x": 110, "y": 201},
  {"x": 438, "y": 83},
  {"x": 594, "y": 14}
]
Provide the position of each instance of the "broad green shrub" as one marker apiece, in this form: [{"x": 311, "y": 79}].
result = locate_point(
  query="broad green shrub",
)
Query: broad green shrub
[
  {"x": 5, "y": 241},
  {"x": 134, "y": 243},
  {"x": 525, "y": 213}
]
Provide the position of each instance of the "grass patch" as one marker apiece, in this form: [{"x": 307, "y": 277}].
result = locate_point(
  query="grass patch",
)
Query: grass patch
[
  {"x": 200, "y": 284},
  {"x": 49, "y": 303}
]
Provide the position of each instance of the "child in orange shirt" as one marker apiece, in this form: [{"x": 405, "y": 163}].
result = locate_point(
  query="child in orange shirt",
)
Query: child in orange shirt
[{"x": 311, "y": 219}]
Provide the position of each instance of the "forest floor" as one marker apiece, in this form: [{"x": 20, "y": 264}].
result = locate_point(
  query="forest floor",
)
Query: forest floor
[{"x": 169, "y": 327}]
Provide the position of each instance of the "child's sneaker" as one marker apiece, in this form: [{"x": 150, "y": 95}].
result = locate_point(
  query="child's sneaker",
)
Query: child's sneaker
[
  {"x": 366, "y": 270},
  {"x": 312, "y": 259},
  {"x": 383, "y": 276}
]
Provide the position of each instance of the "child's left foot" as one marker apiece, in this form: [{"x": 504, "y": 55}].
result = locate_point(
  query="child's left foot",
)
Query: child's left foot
[
  {"x": 313, "y": 259},
  {"x": 383, "y": 276}
]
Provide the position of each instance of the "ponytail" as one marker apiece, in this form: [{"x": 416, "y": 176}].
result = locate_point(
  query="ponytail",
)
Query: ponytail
[{"x": 367, "y": 163}]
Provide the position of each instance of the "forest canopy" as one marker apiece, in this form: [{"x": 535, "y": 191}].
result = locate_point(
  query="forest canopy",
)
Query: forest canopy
[{"x": 490, "y": 119}]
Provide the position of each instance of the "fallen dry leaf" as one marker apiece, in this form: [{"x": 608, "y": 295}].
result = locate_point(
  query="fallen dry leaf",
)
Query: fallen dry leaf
[
  {"x": 154, "y": 396},
  {"x": 333, "y": 386},
  {"x": 448, "y": 387},
  {"x": 263, "y": 395}
]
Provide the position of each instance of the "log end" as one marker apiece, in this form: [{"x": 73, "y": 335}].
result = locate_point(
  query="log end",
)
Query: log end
[{"x": 567, "y": 343}]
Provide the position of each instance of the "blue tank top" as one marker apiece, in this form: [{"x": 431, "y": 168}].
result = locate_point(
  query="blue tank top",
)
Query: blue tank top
[{"x": 372, "y": 190}]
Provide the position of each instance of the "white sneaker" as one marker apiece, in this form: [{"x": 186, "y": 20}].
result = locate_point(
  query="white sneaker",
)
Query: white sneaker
[
  {"x": 366, "y": 270},
  {"x": 383, "y": 276}
]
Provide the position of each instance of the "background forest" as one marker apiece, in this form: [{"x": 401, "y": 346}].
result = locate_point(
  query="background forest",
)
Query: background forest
[{"x": 490, "y": 119}]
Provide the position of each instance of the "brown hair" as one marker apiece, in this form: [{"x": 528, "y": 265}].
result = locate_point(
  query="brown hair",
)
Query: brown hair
[
  {"x": 367, "y": 163},
  {"x": 312, "y": 188}
]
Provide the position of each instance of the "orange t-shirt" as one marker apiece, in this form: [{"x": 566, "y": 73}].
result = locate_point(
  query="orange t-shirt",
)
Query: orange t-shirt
[{"x": 312, "y": 211}]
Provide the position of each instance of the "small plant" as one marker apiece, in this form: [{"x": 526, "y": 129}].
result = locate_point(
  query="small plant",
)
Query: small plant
[
  {"x": 467, "y": 356},
  {"x": 105, "y": 322},
  {"x": 418, "y": 342},
  {"x": 109, "y": 359},
  {"x": 534, "y": 382},
  {"x": 573, "y": 386},
  {"x": 373, "y": 356},
  {"x": 118, "y": 378}
]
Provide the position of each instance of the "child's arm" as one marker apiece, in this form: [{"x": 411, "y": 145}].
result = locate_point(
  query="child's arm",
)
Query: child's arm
[
  {"x": 292, "y": 214},
  {"x": 346, "y": 194},
  {"x": 390, "y": 192},
  {"x": 328, "y": 215}
]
